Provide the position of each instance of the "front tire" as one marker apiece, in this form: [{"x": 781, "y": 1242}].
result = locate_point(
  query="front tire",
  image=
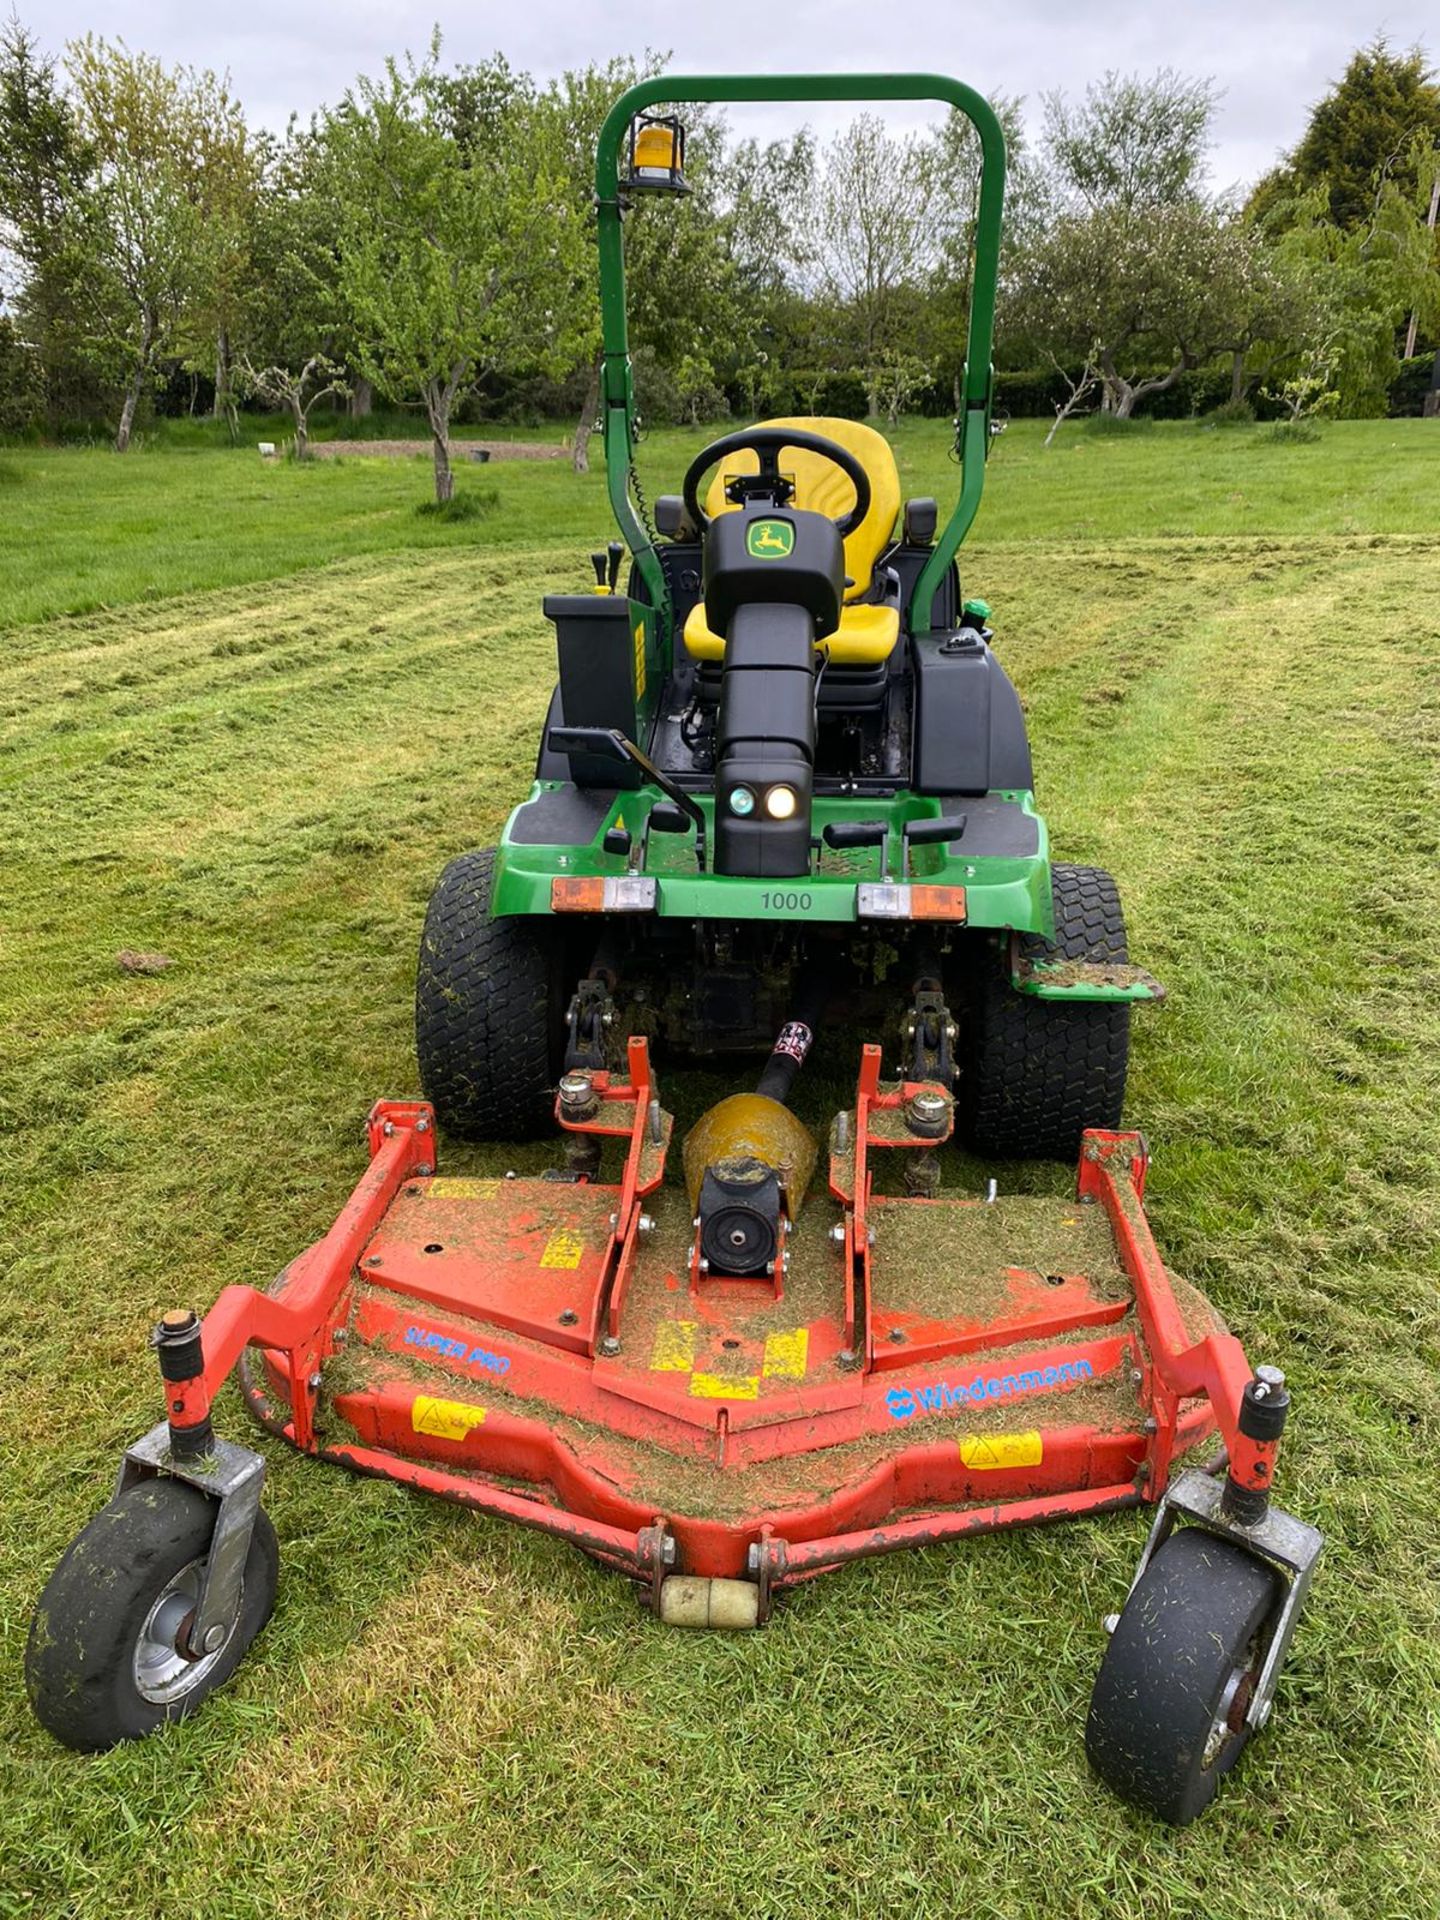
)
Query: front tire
[
  {"x": 1167, "y": 1715},
  {"x": 104, "y": 1660},
  {"x": 1034, "y": 1074},
  {"x": 488, "y": 1014}
]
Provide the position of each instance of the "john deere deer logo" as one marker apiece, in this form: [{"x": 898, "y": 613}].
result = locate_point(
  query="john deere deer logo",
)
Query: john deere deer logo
[{"x": 770, "y": 540}]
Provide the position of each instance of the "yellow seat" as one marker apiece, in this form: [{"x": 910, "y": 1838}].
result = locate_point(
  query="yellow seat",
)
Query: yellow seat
[{"x": 867, "y": 633}]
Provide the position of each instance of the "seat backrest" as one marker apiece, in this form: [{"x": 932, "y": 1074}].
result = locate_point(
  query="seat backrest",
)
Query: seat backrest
[{"x": 821, "y": 487}]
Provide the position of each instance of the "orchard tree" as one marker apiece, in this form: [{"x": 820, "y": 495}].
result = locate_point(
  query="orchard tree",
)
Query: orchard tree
[
  {"x": 150, "y": 128},
  {"x": 297, "y": 337},
  {"x": 874, "y": 240},
  {"x": 45, "y": 172},
  {"x": 457, "y": 239},
  {"x": 1132, "y": 143},
  {"x": 1148, "y": 297},
  {"x": 231, "y": 166},
  {"x": 1135, "y": 269}
]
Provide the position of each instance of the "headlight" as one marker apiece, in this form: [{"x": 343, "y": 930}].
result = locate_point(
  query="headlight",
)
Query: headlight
[
  {"x": 742, "y": 801},
  {"x": 781, "y": 802}
]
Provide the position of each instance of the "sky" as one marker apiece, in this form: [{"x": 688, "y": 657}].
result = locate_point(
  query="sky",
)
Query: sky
[{"x": 1272, "y": 59}]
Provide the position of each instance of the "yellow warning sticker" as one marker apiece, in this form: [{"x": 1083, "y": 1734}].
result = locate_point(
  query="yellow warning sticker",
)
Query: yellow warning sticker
[
  {"x": 991, "y": 1451},
  {"x": 721, "y": 1386},
  {"x": 639, "y": 659},
  {"x": 457, "y": 1189},
  {"x": 444, "y": 1419},
  {"x": 565, "y": 1248},
  {"x": 786, "y": 1354},
  {"x": 674, "y": 1348}
]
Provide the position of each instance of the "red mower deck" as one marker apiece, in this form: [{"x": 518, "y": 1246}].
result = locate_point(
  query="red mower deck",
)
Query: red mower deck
[{"x": 548, "y": 1351}]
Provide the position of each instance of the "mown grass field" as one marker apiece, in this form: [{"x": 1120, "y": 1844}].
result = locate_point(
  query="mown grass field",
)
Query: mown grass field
[{"x": 245, "y": 716}]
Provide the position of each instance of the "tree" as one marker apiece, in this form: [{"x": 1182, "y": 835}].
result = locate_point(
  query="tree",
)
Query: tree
[
  {"x": 231, "y": 168},
  {"x": 1356, "y": 287},
  {"x": 45, "y": 170},
  {"x": 1135, "y": 267},
  {"x": 874, "y": 240},
  {"x": 296, "y": 336},
  {"x": 457, "y": 238},
  {"x": 1133, "y": 143},
  {"x": 1148, "y": 297},
  {"x": 1374, "y": 126},
  {"x": 150, "y": 129}
]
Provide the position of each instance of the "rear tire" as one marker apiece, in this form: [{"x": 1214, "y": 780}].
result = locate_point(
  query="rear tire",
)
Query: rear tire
[
  {"x": 1036, "y": 1073},
  {"x": 488, "y": 1014}
]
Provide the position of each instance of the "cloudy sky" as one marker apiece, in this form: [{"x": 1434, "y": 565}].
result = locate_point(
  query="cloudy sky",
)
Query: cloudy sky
[{"x": 1273, "y": 58}]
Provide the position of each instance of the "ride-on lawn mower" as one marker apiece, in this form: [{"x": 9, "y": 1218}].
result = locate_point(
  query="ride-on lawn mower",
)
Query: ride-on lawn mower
[{"x": 783, "y": 779}]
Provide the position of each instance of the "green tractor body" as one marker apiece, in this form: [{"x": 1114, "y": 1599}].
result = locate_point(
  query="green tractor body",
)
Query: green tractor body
[{"x": 783, "y": 752}]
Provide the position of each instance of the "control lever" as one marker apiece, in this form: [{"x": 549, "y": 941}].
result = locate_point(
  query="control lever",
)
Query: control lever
[
  {"x": 611, "y": 744},
  {"x": 925, "y": 833},
  {"x": 597, "y": 561},
  {"x": 616, "y": 550},
  {"x": 860, "y": 833}
]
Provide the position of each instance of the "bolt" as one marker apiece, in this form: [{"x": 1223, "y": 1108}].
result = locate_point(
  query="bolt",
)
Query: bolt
[
  {"x": 609, "y": 1346},
  {"x": 425, "y": 1168},
  {"x": 785, "y": 1261},
  {"x": 926, "y": 1114},
  {"x": 1137, "y": 1378},
  {"x": 568, "y": 1317},
  {"x": 373, "y": 1261},
  {"x": 388, "y": 1129},
  {"x": 578, "y": 1098},
  {"x": 897, "y": 1334},
  {"x": 512, "y": 1175},
  {"x": 837, "y": 1233},
  {"x": 992, "y": 1191},
  {"x": 667, "y": 1551},
  {"x": 314, "y": 1383},
  {"x": 1152, "y": 1425},
  {"x": 215, "y": 1638},
  {"x": 1111, "y": 1621},
  {"x": 845, "y": 1357},
  {"x": 752, "y": 1557},
  {"x": 422, "y": 1125},
  {"x": 340, "y": 1336},
  {"x": 646, "y": 1225},
  {"x": 1270, "y": 1378}
]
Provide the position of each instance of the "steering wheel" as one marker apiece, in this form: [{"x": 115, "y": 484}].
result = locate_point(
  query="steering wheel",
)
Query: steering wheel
[{"x": 766, "y": 443}]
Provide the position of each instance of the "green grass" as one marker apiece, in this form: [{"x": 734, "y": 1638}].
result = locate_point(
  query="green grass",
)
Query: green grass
[
  {"x": 1236, "y": 707},
  {"x": 85, "y": 529}
]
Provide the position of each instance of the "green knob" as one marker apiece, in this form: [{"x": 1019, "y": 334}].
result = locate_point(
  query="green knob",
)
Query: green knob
[{"x": 978, "y": 610}]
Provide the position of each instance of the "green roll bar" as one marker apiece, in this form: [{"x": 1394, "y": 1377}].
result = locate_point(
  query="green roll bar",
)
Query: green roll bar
[{"x": 617, "y": 391}]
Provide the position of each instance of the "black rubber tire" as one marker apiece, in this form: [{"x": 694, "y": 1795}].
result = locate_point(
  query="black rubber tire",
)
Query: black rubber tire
[
  {"x": 1193, "y": 1622},
  {"x": 80, "y": 1655},
  {"x": 1035, "y": 1073},
  {"x": 488, "y": 1012}
]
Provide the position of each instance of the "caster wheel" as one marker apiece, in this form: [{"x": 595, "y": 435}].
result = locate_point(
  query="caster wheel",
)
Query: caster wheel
[
  {"x": 106, "y": 1659},
  {"x": 1167, "y": 1717}
]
